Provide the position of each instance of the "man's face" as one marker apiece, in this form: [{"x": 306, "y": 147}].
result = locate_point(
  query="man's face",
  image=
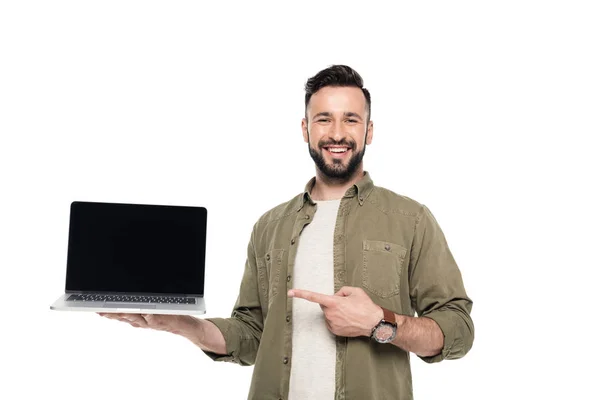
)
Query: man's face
[{"x": 337, "y": 131}]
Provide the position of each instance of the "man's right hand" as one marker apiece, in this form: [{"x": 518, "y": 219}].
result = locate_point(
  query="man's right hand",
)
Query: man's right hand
[
  {"x": 202, "y": 333},
  {"x": 183, "y": 325}
]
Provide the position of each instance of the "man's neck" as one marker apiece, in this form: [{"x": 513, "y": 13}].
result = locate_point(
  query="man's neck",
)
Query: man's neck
[{"x": 326, "y": 188}]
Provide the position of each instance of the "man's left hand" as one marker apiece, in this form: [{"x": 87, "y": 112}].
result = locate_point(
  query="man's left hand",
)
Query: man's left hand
[{"x": 350, "y": 312}]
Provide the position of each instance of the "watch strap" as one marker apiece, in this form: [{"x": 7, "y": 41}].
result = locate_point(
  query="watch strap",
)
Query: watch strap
[{"x": 389, "y": 316}]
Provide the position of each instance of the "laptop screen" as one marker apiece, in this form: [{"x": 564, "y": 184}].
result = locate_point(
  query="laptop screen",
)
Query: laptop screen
[{"x": 127, "y": 248}]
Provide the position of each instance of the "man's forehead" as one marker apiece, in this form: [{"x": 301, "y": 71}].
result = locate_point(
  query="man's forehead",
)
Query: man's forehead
[{"x": 337, "y": 100}]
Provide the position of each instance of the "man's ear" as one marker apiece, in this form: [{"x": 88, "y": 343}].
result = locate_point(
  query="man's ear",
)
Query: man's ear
[
  {"x": 305, "y": 130},
  {"x": 369, "y": 133}
]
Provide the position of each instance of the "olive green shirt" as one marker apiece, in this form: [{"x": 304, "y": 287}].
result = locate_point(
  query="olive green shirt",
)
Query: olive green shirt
[{"x": 387, "y": 244}]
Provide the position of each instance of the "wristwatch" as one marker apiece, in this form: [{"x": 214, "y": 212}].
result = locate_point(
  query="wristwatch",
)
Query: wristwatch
[{"x": 385, "y": 330}]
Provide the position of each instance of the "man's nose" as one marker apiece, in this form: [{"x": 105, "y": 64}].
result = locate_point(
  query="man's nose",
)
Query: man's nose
[{"x": 337, "y": 132}]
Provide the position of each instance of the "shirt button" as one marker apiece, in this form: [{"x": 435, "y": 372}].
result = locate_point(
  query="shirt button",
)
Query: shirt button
[
  {"x": 307, "y": 216},
  {"x": 285, "y": 360},
  {"x": 293, "y": 241},
  {"x": 268, "y": 257},
  {"x": 289, "y": 278},
  {"x": 387, "y": 247},
  {"x": 287, "y": 319},
  {"x": 361, "y": 199}
]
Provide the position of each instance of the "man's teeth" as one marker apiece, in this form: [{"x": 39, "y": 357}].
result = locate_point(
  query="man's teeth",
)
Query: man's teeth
[{"x": 337, "y": 150}]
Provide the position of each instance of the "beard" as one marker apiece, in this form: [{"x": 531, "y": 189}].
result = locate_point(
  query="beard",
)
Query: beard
[{"x": 337, "y": 171}]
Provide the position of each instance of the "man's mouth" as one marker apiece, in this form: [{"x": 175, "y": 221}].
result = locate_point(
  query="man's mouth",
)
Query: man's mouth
[{"x": 337, "y": 150}]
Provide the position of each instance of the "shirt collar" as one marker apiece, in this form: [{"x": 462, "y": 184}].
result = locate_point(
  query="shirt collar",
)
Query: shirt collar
[{"x": 362, "y": 189}]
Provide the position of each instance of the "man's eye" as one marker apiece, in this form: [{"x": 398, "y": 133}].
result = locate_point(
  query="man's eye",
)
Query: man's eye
[
  {"x": 352, "y": 121},
  {"x": 322, "y": 120}
]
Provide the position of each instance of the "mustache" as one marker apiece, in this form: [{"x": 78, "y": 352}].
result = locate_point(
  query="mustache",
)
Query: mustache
[{"x": 343, "y": 142}]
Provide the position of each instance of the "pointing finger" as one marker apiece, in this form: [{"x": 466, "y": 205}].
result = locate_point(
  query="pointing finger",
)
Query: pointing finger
[{"x": 322, "y": 299}]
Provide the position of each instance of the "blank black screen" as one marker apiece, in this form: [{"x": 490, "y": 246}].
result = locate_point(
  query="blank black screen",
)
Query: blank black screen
[{"x": 136, "y": 248}]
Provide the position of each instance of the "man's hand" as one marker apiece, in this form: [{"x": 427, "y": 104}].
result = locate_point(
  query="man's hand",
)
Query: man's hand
[
  {"x": 202, "y": 333},
  {"x": 350, "y": 312},
  {"x": 183, "y": 325}
]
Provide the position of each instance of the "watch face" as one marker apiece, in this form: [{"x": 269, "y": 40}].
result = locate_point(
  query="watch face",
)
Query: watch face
[{"x": 385, "y": 332}]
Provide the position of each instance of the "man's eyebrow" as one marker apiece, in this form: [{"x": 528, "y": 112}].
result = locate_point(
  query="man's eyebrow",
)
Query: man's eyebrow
[
  {"x": 322, "y": 114},
  {"x": 352, "y": 114},
  {"x": 329, "y": 115}
]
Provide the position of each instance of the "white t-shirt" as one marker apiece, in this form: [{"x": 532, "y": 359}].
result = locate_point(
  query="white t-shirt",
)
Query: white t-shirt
[{"x": 313, "y": 345}]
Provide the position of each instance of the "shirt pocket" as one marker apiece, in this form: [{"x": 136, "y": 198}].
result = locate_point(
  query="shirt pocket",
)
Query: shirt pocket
[
  {"x": 269, "y": 272},
  {"x": 382, "y": 266}
]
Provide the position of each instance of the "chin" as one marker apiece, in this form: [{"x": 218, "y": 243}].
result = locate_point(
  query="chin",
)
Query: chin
[{"x": 337, "y": 174}]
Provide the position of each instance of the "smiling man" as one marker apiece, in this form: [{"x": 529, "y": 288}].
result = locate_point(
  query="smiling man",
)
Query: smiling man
[
  {"x": 335, "y": 276},
  {"x": 339, "y": 144}
]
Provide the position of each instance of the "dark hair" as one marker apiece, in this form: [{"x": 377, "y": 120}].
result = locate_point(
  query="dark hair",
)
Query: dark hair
[{"x": 336, "y": 75}]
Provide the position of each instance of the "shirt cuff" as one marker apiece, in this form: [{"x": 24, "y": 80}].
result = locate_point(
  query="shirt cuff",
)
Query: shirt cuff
[
  {"x": 452, "y": 344},
  {"x": 230, "y": 341}
]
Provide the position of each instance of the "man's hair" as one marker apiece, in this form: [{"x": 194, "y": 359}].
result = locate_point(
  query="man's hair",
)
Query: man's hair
[{"x": 336, "y": 75}]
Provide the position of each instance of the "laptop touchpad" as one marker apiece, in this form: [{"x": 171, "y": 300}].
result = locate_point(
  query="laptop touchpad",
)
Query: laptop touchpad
[{"x": 128, "y": 305}]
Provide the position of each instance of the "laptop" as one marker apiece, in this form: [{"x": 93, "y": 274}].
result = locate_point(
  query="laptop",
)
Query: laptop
[{"x": 135, "y": 258}]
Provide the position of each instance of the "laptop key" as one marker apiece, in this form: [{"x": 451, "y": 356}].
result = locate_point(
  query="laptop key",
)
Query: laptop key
[{"x": 132, "y": 299}]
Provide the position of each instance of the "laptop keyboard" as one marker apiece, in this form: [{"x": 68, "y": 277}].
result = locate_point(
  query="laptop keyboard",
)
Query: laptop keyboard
[{"x": 132, "y": 299}]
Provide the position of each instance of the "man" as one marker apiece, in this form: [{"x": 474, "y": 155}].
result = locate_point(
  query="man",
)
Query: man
[{"x": 334, "y": 276}]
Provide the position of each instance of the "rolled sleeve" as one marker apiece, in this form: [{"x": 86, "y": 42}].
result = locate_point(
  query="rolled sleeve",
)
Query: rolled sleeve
[
  {"x": 454, "y": 336},
  {"x": 243, "y": 330},
  {"x": 437, "y": 289},
  {"x": 241, "y": 343},
  {"x": 231, "y": 342}
]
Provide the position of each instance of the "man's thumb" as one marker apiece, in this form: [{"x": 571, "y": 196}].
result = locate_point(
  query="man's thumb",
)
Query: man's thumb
[{"x": 346, "y": 291}]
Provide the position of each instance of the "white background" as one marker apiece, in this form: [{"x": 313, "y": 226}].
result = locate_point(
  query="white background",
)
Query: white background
[{"x": 487, "y": 112}]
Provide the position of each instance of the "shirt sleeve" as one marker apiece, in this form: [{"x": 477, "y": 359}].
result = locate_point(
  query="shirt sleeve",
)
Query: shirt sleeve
[
  {"x": 437, "y": 290},
  {"x": 243, "y": 330}
]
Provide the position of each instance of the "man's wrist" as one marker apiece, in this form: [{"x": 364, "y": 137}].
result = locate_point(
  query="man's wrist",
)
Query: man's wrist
[
  {"x": 400, "y": 319},
  {"x": 377, "y": 319},
  {"x": 191, "y": 328}
]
